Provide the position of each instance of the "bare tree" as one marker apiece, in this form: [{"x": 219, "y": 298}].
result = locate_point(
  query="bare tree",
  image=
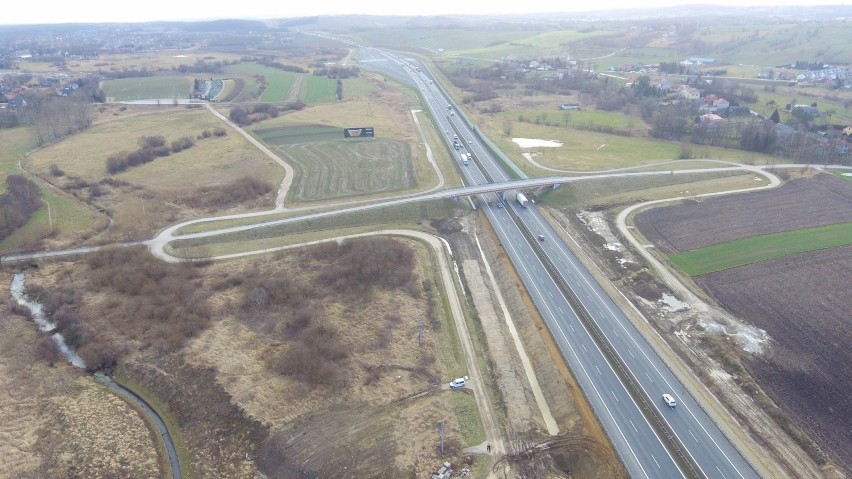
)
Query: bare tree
[{"x": 507, "y": 127}]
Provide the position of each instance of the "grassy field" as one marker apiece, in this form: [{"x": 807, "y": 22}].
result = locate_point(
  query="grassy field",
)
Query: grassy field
[
  {"x": 67, "y": 216},
  {"x": 619, "y": 191},
  {"x": 750, "y": 250},
  {"x": 287, "y": 135},
  {"x": 144, "y": 199},
  {"x": 346, "y": 168},
  {"x": 584, "y": 150},
  {"x": 144, "y": 88},
  {"x": 581, "y": 118},
  {"x": 278, "y": 81},
  {"x": 323, "y": 89}
]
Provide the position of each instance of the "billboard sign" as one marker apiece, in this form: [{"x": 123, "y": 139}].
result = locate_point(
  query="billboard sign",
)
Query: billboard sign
[{"x": 361, "y": 132}]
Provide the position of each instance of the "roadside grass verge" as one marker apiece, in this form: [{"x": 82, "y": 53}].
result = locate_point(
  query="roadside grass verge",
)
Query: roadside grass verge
[
  {"x": 761, "y": 248},
  {"x": 471, "y": 429},
  {"x": 165, "y": 414},
  {"x": 618, "y": 191},
  {"x": 144, "y": 88},
  {"x": 281, "y": 234}
]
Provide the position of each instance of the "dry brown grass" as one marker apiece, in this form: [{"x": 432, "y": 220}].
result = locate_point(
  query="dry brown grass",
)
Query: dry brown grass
[
  {"x": 144, "y": 199},
  {"x": 363, "y": 413},
  {"x": 57, "y": 422},
  {"x": 226, "y": 397}
]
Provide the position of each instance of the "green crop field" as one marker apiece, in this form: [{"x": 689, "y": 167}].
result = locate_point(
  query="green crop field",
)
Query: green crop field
[
  {"x": 581, "y": 118},
  {"x": 144, "y": 88},
  {"x": 285, "y": 135},
  {"x": 761, "y": 248},
  {"x": 322, "y": 89},
  {"x": 278, "y": 82}
]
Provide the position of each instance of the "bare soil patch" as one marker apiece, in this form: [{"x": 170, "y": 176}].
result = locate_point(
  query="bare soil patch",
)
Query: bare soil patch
[
  {"x": 803, "y": 202},
  {"x": 802, "y": 301}
]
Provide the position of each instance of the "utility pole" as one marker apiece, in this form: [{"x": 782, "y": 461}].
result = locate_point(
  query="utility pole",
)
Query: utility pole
[{"x": 420, "y": 332}]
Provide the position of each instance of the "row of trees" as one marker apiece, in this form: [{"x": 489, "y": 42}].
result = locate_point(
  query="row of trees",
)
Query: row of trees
[
  {"x": 248, "y": 114},
  {"x": 21, "y": 201},
  {"x": 150, "y": 148}
]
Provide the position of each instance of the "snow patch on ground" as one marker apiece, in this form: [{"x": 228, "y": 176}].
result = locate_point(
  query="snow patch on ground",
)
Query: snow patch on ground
[
  {"x": 672, "y": 305},
  {"x": 534, "y": 143},
  {"x": 596, "y": 222},
  {"x": 749, "y": 338}
]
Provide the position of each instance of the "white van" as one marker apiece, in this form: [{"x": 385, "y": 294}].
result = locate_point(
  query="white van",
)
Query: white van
[
  {"x": 458, "y": 383},
  {"x": 669, "y": 400}
]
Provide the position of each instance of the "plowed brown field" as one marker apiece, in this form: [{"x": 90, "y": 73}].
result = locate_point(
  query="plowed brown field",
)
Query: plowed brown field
[
  {"x": 801, "y": 203},
  {"x": 803, "y": 302}
]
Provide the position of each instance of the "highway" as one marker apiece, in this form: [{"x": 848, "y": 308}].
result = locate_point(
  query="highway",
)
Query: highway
[{"x": 639, "y": 445}]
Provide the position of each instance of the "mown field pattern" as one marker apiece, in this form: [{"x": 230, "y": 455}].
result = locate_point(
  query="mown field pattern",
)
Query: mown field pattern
[
  {"x": 278, "y": 82},
  {"x": 802, "y": 203},
  {"x": 340, "y": 169},
  {"x": 298, "y": 134},
  {"x": 761, "y": 248}
]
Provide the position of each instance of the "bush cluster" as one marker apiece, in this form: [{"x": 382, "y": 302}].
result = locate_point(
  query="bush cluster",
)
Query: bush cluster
[
  {"x": 152, "y": 302},
  {"x": 238, "y": 191},
  {"x": 246, "y": 115},
  {"x": 356, "y": 267},
  {"x": 314, "y": 352},
  {"x": 181, "y": 144},
  {"x": 157, "y": 303},
  {"x": 218, "y": 131},
  {"x": 150, "y": 147}
]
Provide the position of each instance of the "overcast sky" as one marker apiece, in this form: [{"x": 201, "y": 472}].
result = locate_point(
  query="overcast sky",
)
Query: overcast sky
[{"x": 96, "y": 11}]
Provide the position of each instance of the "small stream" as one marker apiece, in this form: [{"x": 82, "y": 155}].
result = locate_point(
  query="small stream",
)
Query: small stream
[{"x": 37, "y": 313}]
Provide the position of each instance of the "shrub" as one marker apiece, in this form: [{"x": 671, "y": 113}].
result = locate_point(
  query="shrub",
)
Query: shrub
[
  {"x": 182, "y": 143},
  {"x": 151, "y": 141},
  {"x": 55, "y": 170}
]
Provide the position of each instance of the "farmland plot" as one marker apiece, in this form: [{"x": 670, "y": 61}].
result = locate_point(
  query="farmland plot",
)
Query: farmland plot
[
  {"x": 339, "y": 169},
  {"x": 803, "y": 302},
  {"x": 801, "y": 203}
]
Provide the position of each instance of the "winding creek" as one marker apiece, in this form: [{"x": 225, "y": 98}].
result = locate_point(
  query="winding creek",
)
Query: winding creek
[{"x": 37, "y": 313}]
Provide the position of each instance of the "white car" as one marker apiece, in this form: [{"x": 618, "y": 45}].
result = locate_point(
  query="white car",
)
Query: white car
[
  {"x": 669, "y": 400},
  {"x": 458, "y": 383}
]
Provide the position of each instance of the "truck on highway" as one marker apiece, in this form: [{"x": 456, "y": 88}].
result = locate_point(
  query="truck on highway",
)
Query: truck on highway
[
  {"x": 463, "y": 157},
  {"x": 522, "y": 199}
]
